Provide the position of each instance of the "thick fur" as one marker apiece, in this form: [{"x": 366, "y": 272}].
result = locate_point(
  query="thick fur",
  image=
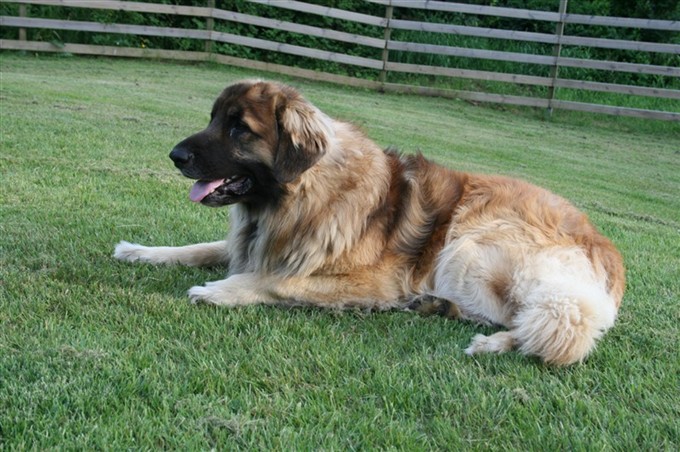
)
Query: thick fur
[{"x": 330, "y": 219}]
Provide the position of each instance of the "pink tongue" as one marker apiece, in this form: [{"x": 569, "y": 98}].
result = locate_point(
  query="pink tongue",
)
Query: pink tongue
[{"x": 201, "y": 189}]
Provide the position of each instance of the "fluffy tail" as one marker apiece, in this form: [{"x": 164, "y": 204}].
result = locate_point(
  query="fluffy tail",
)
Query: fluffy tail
[
  {"x": 562, "y": 329},
  {"x": 560, "y": 309}
]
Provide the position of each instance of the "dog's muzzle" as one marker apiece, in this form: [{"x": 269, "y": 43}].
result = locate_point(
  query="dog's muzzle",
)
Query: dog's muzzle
[{"x": 181, "y": 156}]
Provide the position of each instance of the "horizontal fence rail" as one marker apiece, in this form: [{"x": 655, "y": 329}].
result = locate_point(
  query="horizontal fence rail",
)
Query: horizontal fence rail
[
  {"x": 669, "y": 25},
  {"x": 384, "y": 27}
]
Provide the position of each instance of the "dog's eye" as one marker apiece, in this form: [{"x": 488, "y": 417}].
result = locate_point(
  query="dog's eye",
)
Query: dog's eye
[{"x": 238, "y": 129}]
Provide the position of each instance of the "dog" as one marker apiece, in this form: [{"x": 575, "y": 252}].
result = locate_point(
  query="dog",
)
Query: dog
[{"x": 321, "y": 215}]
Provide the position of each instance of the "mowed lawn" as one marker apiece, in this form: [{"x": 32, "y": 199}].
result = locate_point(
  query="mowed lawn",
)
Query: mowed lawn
[{"x": 98, "y": 354}]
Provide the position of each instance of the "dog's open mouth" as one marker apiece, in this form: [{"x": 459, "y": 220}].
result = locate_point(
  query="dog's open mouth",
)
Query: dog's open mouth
[{"x": 221, "y": 189}]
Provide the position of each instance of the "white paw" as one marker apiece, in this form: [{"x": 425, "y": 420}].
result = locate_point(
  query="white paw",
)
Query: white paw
[
  {"x": 228, "y": 292},
  {"x": 201, "y": 294},
  {"x": 129, "y": 252},
  {"x": 479, "y": 344},
  {"x": 499, "y": 342}
]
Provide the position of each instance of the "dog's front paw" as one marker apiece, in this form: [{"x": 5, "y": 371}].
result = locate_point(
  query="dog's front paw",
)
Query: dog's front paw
[
  {"x": 230, "y": 292},
  {"x": 202, "y": 294},
  {"x": 129, "y": 252}
]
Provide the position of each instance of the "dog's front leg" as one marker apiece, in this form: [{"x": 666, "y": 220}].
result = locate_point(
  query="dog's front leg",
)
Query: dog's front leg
[
  {"x": 366, "y": 290},
  {"x": 202, "y": 254}
]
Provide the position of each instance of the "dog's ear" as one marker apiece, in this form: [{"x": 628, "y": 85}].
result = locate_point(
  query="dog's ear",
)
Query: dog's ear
[{"x": 305, "y": 133}]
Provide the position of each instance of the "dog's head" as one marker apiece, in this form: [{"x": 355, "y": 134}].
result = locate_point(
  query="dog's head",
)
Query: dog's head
[{"x": 261, "y": 137}]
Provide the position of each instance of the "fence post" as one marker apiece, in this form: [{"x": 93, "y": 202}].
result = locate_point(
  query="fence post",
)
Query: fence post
[
  {"x": 22, "y": 31},
  {"x": 389, "y": 10},
  {"x": 557, "y": 50},
  {"x": 209, "y": 25}
]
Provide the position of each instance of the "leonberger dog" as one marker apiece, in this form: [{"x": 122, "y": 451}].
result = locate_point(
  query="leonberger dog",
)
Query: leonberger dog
[{"x": 323, "y": 216}]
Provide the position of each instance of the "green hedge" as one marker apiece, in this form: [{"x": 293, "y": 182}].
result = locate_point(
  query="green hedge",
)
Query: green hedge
[{"x": 653, "y": 9}]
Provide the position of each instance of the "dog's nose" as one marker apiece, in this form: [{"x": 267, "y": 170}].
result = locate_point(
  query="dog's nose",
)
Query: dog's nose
[{"x": 180, "y": 156}]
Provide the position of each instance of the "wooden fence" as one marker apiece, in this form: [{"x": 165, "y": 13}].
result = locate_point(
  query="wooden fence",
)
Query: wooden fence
[{"x": 385, "y": 45}]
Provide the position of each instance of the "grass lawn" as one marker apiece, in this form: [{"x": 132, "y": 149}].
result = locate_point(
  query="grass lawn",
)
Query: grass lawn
[{"x": 98, "y": 354}]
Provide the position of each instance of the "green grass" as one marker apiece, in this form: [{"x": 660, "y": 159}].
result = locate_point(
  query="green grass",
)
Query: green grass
[{"x": 95, "y": 353}]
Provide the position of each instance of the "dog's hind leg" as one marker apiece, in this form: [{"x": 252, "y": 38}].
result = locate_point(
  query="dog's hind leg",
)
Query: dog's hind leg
[
  {"x": 202, "y": 254},
  {"x": 560, "y": 309},
  {"x": 500, "y": 342},
  {"x": 431, "y": 305}
]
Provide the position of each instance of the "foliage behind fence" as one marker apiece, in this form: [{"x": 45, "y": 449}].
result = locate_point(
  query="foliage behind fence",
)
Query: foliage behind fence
[{"x": 477, "y": 52}]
